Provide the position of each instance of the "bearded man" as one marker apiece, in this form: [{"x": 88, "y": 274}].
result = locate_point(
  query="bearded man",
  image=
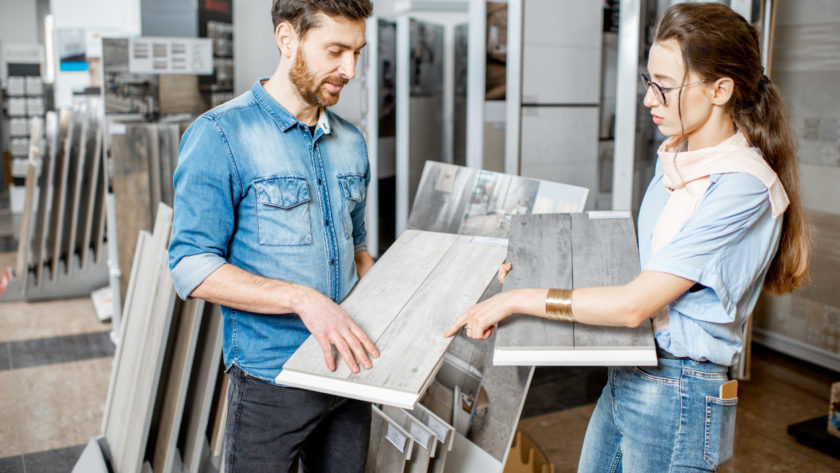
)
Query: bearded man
[{"x": 269, "y": 223}]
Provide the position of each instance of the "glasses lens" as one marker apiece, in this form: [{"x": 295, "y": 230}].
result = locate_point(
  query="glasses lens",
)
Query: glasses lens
[{"x": 657, "y": 91}]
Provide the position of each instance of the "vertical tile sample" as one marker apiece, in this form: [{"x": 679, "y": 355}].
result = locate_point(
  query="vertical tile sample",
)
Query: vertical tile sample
[
  {"x": 404, "y": 304},
  {"x": 390, "y": 445}
]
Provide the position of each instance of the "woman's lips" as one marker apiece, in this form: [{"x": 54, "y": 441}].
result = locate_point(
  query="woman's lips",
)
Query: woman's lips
[{"x": 658, "y": 120}]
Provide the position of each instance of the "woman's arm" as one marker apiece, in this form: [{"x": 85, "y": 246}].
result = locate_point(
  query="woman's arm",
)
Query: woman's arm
[{"x": 627, "y": 305}]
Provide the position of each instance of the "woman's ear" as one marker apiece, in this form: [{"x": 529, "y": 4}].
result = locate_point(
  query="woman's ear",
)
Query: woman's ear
[
  {"x": 286, "y": 38},
  {"x": 722, "y": 91}
]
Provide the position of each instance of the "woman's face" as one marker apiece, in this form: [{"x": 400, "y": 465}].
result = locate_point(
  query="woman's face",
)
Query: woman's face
[{"x": 693, "y": 100}]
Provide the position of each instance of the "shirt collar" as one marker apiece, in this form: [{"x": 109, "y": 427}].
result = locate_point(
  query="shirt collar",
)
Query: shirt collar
[{"x": 282, "y": 116}]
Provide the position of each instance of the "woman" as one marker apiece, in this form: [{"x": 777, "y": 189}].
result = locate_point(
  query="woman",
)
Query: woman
[{"x": 721, "y": 218}]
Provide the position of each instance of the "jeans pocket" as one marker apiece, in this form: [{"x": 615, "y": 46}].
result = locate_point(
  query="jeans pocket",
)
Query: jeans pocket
[
  {"x": 283, "y": 211},
  {"x": 353, "y": 190},
  {"x": 720, "y": 430}
]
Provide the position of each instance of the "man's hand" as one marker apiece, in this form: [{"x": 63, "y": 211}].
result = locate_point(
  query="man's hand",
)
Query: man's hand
[{"x": 331, "y": 325}]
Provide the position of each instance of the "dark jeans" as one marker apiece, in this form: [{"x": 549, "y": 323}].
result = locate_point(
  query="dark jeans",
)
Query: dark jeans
[{"x": 270, "y": 427}]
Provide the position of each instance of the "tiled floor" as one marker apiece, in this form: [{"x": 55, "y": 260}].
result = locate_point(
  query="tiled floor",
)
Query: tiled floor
[{"x": 55, "y": 365}]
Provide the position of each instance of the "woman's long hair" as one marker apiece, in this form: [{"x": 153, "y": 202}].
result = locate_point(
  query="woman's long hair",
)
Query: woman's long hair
[{"x": 717, "y": 42}]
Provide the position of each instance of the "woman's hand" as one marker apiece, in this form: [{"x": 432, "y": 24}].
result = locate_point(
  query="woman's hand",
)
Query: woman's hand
[
  {"x": 503, "y": 270},
  {"x": 480, "y": 320}
]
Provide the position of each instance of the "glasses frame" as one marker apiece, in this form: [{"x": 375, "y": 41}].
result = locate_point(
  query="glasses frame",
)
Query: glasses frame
[{"x": 660, "y": 92}]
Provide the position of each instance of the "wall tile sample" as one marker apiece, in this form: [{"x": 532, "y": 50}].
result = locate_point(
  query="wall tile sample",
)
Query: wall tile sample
[
  {"x": 404, "y": 304},
  {"x": 568, "y": 251}
]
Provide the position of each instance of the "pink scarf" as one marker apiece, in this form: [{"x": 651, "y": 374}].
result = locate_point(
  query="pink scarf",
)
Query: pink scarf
[{"x": 686, "y": 177}]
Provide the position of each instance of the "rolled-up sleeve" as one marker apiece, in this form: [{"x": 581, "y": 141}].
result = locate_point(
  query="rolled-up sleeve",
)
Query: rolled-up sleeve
[{"x": 207, "y": 188}]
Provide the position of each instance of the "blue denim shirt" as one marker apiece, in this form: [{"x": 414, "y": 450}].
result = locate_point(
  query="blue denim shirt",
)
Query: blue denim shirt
[
  {"x": 726, "y": 246},
  {"x": 255, "y": 189}
]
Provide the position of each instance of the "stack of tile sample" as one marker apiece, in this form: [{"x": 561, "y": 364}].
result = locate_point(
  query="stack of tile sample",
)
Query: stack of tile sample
[
  {"x": 166, "y": 402},
  {"x": 61, "y": 250}
]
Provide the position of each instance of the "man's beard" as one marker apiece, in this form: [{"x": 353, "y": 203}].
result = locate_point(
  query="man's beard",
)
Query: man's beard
[{"x": 309, "y": 88}]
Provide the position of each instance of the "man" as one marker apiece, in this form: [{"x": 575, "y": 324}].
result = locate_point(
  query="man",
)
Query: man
[{"x": 269, "y": 223}]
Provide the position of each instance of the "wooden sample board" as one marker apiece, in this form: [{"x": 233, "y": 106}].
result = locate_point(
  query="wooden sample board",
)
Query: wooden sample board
[
  {"x": 444, "y": 435},
  {"x": 94, "y": 195},
  {"x": 456, "y": 199},
  {"x": 42, "y": 214},
  {"x": 132, "y": 182},
  {"x": 139, "y": 358},
  {"x": 569, "y": 251},
  {"x": 404, "y": 304}
]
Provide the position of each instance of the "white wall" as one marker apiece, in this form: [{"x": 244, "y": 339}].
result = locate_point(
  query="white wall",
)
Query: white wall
[
  {"x": 18, "y": 25},
  {"x": 254, "y": 52}
]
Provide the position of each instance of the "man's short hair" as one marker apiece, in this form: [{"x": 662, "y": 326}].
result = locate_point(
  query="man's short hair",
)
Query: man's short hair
[{"x": 303, "y": 14}]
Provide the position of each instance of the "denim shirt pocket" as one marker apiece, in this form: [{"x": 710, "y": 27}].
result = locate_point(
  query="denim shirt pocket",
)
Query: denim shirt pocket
[
  {"x": 283, "y": 211},
  {"x": 353, "y": 189}
]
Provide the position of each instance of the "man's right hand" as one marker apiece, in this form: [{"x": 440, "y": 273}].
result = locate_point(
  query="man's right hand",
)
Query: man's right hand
[{"x": 331, "y": 325}]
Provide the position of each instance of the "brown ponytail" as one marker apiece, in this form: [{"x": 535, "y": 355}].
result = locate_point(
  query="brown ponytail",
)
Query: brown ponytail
[{"x": 717, "y": 42}]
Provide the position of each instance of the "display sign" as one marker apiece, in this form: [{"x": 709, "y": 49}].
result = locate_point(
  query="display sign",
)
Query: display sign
[{"x": 170, "y": 56}]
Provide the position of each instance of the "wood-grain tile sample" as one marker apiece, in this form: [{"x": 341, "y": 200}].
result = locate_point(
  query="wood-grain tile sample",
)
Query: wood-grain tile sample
[
  {"x": 25, "y": 240},
  {"x": 132, "y": 189},
  {"x": 404, "y": 304},
  {"x": 569, "y": 251},
  {"x": 426, "y": 444},
  {"x": 65, "y": 135},
  {"x": 42, "y": 215},
  {"x": 139, "y": 358},
  {"x": 177, "y": 375},
  {"x": 93, "y": 197}
]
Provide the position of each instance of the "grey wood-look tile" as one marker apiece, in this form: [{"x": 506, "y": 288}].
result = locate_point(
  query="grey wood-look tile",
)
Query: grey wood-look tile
[
  {"x": 606, "y": 254},
  {"x": 60, "y": 188},
  {"x": 92, "y": 190},
  {"x": 595, "y": 249},
  {"x": 404, "y": 304},
  {"x": 540, "y": 252}
]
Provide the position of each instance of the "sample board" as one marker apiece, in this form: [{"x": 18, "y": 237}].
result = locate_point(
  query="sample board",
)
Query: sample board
[
  {"x": 569, "y": 251},
  {"x": 404, "y": 304},
  {"x": 467, "y": 201}
]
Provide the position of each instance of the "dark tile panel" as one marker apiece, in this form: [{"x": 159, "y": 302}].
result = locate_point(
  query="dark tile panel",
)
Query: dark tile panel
[{"x": 45, "y": 351}]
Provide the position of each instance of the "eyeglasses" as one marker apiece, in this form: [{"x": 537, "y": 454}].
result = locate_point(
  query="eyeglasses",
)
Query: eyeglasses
[{"x": 659, "y": 91}]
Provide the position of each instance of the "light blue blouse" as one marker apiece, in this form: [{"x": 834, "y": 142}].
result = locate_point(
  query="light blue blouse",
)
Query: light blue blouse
[{"x": 726, "y": 246}]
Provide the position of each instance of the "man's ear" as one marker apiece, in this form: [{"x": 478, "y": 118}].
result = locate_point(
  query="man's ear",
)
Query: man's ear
[
  {"x": 286, "y": 38},
  {"x": 722, "y": 91}
]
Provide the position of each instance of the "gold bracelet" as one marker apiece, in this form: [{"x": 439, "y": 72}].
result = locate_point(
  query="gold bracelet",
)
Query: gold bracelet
[{"x": 558, "y": 305}]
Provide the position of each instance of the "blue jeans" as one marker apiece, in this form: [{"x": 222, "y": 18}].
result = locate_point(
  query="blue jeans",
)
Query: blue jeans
[
  {"x": 269, "y": 428},
  {"x": 667, "y": 418}
]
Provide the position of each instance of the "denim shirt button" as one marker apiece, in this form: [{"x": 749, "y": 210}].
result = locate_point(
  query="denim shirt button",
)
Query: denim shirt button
[
  {"x": 319, "y": 182},
  {"x": 327, "y": 223},
  {"x": 332, "y": 260}
]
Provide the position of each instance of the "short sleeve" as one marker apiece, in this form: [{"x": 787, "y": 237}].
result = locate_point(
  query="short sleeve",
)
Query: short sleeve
[
  {"x": 206, "y": 190},
  {"x": 726, "y": 246}
]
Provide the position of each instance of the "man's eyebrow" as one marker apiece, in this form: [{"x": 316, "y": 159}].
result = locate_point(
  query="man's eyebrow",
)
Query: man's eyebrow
[{"x": 346, "y": 46}]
